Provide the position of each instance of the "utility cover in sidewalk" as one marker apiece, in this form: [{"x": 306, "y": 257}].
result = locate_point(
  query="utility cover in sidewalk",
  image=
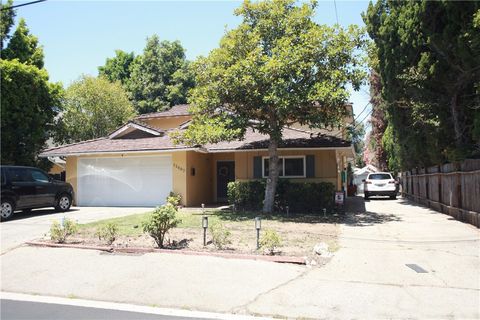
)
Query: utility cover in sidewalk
[{"x": 416, "y": 268}]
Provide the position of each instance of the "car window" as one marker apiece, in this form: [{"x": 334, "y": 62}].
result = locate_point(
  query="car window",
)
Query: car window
[
  {"x": 4, "y": 179},
  {"x": 20, "y": 175},
  {"x": 380, "y": 176},
  {"x": 39, "y": 176}
]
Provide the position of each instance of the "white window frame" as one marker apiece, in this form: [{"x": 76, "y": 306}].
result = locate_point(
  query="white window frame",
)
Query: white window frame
[{"x": 283, "y": 166}]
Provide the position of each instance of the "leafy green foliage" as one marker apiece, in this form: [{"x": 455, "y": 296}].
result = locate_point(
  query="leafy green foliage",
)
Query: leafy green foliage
[
  {"x": 59, "y": 233},
  {"x": 427, "y": 57},
  {"x": 270, "y": 241},
  {"x": 28, "y": 107},
  {"x": 92, "y": 108},
  {"x": 6, "y": 22},
  {"x": 174, "y": 199},
  {"x": 220, "y": 235},
  {"x": 118, "y": 68},
  {"x": 108, "y": 232},
  {"x": 299, "y": 197},
  {"x": 160, "y": 77},
  {"x": 162, "y": 219},
  {"x": 24, "y": 47},
  {"x": 278, "y": 67}
]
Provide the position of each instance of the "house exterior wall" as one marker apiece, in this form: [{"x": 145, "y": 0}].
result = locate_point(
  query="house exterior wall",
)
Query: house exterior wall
[
  {"x": 71, "y": 174},
  {"x": 325, "y": 164},
  {"x": 167, "y": 123},
  {"x": 199, "y": 183}
]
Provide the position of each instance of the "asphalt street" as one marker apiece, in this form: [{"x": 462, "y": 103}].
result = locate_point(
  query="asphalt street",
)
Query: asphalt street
[{"x": 16, "y": 310}]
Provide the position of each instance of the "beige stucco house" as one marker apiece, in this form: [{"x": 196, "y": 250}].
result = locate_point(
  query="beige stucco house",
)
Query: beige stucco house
[{"x": 138, "y": 164}]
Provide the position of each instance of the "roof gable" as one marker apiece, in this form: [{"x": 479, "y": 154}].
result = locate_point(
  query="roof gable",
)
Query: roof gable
[{"x": 127, "y": 131}]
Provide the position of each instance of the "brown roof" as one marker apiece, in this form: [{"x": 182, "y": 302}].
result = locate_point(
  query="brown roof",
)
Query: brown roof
[
  {"x": 106, "y": 145},
  {"x": 175, "y": 111},
  {"x": 292, "y": 138}
]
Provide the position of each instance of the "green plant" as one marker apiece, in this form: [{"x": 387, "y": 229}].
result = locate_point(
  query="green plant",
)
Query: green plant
[
  {"x": 162, "y": 219},
  {"x": 299, "y": 197},
  {"x": 220, "y": 235},
  {"x": 107, "y": 232},
  {"x": 174, "y": 199},
  {"x": 270, "y": 241},
  {"x": 59, "y": 233}
]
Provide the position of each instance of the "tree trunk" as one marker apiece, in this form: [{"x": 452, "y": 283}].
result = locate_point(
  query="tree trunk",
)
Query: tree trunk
[
  {"x": 273, "y": 173},
  {"x": 457, "y": 120}
]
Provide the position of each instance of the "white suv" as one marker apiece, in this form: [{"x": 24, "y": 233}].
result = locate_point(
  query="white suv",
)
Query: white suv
[{"x": 380, "y": 184}]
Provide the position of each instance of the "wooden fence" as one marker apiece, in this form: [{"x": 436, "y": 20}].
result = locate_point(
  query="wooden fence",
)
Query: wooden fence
[{"x": 452, "y": 188}]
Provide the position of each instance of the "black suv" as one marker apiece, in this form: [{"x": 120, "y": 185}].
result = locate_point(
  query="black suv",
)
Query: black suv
[{"x": 25, "y": 188}]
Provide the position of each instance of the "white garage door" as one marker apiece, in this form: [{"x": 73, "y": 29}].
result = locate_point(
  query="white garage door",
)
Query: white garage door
[{"x": 130, "y": 181}]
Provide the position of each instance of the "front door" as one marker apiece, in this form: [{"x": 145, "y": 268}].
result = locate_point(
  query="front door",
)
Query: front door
[{"x": 225, "y": 174}]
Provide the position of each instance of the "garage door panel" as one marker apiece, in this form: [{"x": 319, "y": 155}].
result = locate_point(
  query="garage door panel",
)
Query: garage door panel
[{"x": 132, "y": 181}]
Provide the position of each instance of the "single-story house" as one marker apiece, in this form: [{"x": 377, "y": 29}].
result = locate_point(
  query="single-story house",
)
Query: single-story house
[{"x": 139, "y": 165}]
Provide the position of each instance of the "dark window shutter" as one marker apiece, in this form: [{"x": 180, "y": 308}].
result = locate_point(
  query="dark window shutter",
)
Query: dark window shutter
[
  {"x": 310, "y": 162},
  {"x": 257, "y": 167}
]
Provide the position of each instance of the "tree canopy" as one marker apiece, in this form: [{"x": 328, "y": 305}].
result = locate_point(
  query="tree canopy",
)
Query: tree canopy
[
  {"x": 92, "y": 108},
  {"x": 29, "y": 101},
  {"x": 277, "y": 68},
  {"x": 428, "y": 55},
  {"x": 28, "y": 108},
  {"x": 118, "y": 68},
  {"x": 6, "y": 21}
]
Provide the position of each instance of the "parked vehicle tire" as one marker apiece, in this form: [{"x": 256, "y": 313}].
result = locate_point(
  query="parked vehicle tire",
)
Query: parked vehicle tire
[
  {"x": 6, "y": 210},
  {"x": 394, "y": 197},
  {"x": 64, "y": 202},
  {"x": 366, "y": 196}
]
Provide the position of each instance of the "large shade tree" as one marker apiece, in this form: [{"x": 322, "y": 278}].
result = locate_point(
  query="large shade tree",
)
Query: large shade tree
[
  {"x": 277, "y": 68},
  {"x": 428, "y": 55},
  {"x": 29, "y": 102},
  {"x": 92, "y": 108}
]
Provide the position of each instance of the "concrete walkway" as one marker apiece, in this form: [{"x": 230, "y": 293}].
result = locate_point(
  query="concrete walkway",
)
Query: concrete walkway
[{"x": 368, "y": 278}]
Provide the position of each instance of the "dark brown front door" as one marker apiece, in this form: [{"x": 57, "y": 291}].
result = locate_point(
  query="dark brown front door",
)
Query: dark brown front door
[{"x": 225, "y": 174}]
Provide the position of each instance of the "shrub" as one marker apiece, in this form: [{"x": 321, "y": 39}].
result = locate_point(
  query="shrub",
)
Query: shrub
[
  {"x": 162, "y": 219},
  {"x": 220, "y": 235},
  {"x": 174, "y": 199},
  {"x": 270, "y": 241},
  {"x": 107, "y": 232},
  {"x": 59, "y": 233},
  {"x": 300, "y": 197}
]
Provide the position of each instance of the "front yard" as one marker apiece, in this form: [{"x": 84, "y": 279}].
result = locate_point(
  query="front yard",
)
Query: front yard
[{"x": 299, "y": 234}]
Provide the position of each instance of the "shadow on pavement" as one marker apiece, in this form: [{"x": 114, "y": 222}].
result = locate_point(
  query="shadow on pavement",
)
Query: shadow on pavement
[
  {"x": 20, "y": 215},
  {"x": 357, "y": 214}
]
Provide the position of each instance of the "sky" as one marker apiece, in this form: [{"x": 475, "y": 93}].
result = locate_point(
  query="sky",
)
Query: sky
[{"x": 78, "y": 36}]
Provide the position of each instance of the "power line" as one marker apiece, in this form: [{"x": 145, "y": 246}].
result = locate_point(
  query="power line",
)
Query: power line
[
  {"x": 336, "y": 14},
  {"x": 21, "y": 5}
]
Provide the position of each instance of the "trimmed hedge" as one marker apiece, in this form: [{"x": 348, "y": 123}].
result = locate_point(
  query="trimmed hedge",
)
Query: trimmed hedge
[{"x": 307, "y": 197}]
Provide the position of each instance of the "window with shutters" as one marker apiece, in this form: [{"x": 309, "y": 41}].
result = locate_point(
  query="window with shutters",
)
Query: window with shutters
[{"x": 289, "y": 167}]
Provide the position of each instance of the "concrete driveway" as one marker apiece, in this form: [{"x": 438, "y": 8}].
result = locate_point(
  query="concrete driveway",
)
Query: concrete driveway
[
  {"x": 368, "y": 277},
  {"x": 24, "y": 227}
]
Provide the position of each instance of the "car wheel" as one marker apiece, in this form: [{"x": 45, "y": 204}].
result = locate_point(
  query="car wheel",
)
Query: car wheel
[
  {"x": 366, "y": 196},
  {"x": 394, "y": 197},
  {"x": 64, "y": 202},
  {"x": 7, "y": 209}
]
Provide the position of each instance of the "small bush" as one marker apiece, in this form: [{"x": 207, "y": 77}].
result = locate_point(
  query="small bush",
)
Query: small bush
[
  {"x": 107, "y": 232},
  {"x": 162, "y": 219},
  {"x": 270, "y": 241},
  {"x": 220, "y": 235},
  {"x": 59, "y": 233},
  {"x": 174, "y": 199}
]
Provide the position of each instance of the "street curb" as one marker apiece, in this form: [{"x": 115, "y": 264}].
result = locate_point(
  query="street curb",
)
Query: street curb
[
  {"x": 164, "y": 311},
  {"x": 278, "y": 259}
]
